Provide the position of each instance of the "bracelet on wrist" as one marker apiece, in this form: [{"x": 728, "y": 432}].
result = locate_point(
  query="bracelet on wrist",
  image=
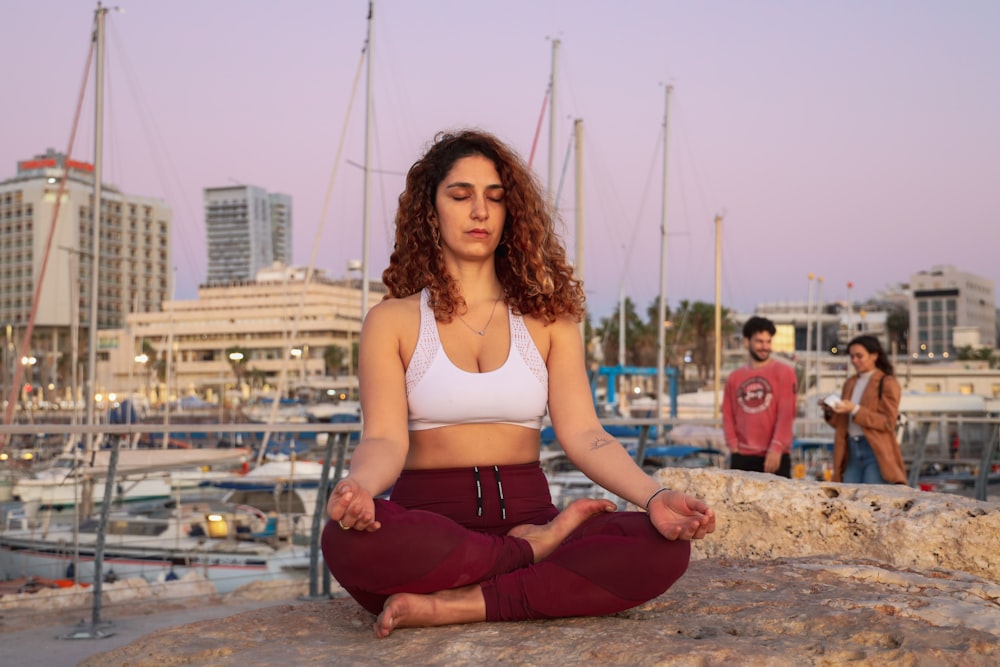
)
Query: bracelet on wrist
[{"x": 655, "y": 493}]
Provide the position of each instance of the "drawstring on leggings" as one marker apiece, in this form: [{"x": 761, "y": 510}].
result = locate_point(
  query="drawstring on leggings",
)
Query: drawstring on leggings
[{"x": 479, "y": 492}]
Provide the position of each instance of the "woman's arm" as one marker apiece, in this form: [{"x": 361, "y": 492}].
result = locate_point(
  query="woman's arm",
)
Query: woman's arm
[
  {"x": 602, "y": 458},
  {"x": 381, "y": 454},
  {"x": 571, "y": 407}
]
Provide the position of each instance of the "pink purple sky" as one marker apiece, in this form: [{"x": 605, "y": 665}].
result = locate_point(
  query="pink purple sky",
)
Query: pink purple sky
[{"x": 857, "y": 140}]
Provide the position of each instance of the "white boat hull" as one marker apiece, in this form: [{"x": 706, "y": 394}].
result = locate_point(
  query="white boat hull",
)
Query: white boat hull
[
  {"x": 228, "y": 545},
  {"x": 64, "y": 493},
  {"x": 228, "y": 565}
]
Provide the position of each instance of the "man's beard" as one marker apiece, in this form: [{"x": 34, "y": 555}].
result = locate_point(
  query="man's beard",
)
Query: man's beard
[{"x": 757, "y": 357}]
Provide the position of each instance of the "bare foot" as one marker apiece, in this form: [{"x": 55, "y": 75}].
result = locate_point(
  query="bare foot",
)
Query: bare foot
[
  {"x": 545, "y": 539},
  {"x": 409, "y": 610}
]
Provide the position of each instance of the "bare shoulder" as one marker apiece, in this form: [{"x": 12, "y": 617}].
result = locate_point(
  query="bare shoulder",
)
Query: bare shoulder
[
  {"x": 552, "y": 335},
  {"x": 394, "y": 313},
  {"x": 392, "y": 326}
]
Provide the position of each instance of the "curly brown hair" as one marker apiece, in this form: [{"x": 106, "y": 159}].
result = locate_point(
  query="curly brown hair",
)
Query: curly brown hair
[{"x": 530, "y": 261}]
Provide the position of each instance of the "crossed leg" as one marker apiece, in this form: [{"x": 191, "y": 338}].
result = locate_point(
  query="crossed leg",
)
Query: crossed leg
[{"x": 466, "y": 604}]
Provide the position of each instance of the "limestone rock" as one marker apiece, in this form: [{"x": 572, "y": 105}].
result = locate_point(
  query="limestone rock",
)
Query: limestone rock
[
  {"x": 797, "y": 573},
  {"x": 787, "y": 611},
  {"x": 762, "y": 516}
]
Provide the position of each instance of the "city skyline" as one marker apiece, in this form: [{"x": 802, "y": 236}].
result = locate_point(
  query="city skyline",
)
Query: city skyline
[{"x": 856, "y": 142}]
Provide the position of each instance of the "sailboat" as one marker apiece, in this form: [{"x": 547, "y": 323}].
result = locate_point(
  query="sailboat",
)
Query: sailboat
[{"x": 230, "y": 544}]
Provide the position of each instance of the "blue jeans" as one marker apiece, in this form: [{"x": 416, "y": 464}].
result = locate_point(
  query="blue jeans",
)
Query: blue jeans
[{"x": 862, "y": 466}]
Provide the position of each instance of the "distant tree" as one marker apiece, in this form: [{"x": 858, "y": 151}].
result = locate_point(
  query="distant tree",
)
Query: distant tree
[
  {"x": 238, "y": 358},
  {"x": 635, "y": 329},
  {"x": 335, "y": 359},
  {"x": 255, "y": 378},
  {"x": 970, "y": 353},
  {"x": 695, "y": 332},
  {"x": 897, "y": 324}
]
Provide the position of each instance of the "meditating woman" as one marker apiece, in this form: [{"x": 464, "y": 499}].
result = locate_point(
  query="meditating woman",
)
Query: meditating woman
[{"x": 478, "y": 336}]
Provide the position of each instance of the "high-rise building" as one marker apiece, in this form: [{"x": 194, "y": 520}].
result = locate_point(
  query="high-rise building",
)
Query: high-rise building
[
  {"x": 248, "y": 230},
  {"x": 945, "y": 299},
  {"x": 134, "y": 256},
  {"x": 281, "y": 227}
]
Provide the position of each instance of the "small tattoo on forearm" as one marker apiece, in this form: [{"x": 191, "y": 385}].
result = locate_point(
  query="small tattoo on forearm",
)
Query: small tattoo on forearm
[{"x": 600, "y": 442}]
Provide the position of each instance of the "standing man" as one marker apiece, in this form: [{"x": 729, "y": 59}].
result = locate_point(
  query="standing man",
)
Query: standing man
[{"x": 758, "y": 406}]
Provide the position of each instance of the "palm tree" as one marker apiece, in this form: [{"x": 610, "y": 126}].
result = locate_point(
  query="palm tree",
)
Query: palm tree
[
  {"x": 635, "y": 329},
  {"x": 897, "y": 324},
  {"x": 694, "y": 324}
]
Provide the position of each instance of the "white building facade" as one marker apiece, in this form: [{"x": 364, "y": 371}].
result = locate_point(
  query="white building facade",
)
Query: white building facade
[
  {"x": 945, "y": 299},
  {"x": 279, "y": 323}
]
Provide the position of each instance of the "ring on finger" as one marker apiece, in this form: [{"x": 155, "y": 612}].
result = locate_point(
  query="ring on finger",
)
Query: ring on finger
[{"x": 342, "y": 526}]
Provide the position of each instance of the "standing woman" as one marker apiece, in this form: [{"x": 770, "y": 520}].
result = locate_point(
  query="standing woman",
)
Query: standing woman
[
  {"x": 865, "y": 450},
  {"x": 478, "y": 336}
]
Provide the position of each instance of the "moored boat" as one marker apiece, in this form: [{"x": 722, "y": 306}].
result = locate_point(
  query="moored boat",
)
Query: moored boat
[{"x": 229, "y": 545}]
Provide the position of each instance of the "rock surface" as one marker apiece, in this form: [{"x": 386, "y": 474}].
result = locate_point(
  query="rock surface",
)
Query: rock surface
[
  {"x": 760, "y": 517},
  {"x": 797, "y": 573}
]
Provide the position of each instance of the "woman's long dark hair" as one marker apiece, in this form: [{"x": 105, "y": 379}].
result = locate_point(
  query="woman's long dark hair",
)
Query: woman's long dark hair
[{"x": 872, "y": 344}]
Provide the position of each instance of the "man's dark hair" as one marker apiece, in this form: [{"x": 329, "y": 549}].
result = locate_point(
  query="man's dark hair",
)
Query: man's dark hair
[{"x": 757, "y": 324}]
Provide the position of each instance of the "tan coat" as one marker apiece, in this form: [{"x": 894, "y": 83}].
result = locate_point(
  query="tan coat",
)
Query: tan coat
[{"x": 877, "y": 418}]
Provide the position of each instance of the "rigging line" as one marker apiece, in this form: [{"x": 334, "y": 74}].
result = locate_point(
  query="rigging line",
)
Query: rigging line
[
  {"x": 682, "y": 137},
  {"x": 154, "y": 140},
  {"x": 30, "y": 326},
  {"x": 562, "y": 174},
  {"x": 642, "y": 203},
  {"x": 294, "y": 329},
  {"x": 538, "y": 127},
  {"x": 376, "y": 171},
  {"x": 381, "y": 184}
]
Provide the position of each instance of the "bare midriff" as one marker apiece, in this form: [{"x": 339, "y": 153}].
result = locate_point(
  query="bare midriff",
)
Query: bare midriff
[{"x": 468, "y": 445}]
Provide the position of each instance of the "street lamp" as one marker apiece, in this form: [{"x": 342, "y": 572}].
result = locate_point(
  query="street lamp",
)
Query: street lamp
[
  {"x": 296, "y": 352},
  {"x": 27, "y": 362},
  {"x": 143, "y": 359},
  {"x": 236, "y": 360}
]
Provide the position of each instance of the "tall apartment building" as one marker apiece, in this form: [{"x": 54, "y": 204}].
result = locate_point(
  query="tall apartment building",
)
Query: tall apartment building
[
  {"x": 248, "y": 230},
  {"x": 281, "y": 227},
  {"x": 945, "y": 299},
  {"x": 134, "y": 256}
]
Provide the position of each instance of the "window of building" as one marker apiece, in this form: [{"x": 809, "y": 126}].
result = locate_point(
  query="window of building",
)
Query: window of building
[{"x": 965, "y": 388}]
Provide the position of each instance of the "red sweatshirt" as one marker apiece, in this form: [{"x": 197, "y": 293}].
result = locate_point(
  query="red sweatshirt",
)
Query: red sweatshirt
[{"x": 758, "y": 409}]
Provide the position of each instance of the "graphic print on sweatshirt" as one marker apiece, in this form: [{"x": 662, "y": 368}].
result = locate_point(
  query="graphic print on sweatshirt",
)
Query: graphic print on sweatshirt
[{"x": 755, "y": 395}]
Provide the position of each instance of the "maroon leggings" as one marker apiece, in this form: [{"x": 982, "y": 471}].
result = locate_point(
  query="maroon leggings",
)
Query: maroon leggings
[{"x": 448, "y": 528}]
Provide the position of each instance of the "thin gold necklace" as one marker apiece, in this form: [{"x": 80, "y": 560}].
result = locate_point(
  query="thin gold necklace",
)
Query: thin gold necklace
[{"x": 482, "y": 332}]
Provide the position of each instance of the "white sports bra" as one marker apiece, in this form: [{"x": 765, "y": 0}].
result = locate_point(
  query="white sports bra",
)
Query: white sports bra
[{"x": 439, "y": 393}]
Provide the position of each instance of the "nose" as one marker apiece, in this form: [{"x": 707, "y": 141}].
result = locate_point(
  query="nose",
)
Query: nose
[{"x": 479, "y": 209}]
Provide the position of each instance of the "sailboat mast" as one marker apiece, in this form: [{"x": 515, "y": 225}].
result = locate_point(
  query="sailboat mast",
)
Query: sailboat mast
[
  {"x": 809, "y": 330},
  {"x": 552, "y": 125},
  {"x": 717, "y": 379},
  {"x": 578, "y": 134},
  {"x": 95, "y": 219},
  {"x": 366, "y": 215},
  {"x": 169, "y": 371},
  {"x": 661, "y": 332}
]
